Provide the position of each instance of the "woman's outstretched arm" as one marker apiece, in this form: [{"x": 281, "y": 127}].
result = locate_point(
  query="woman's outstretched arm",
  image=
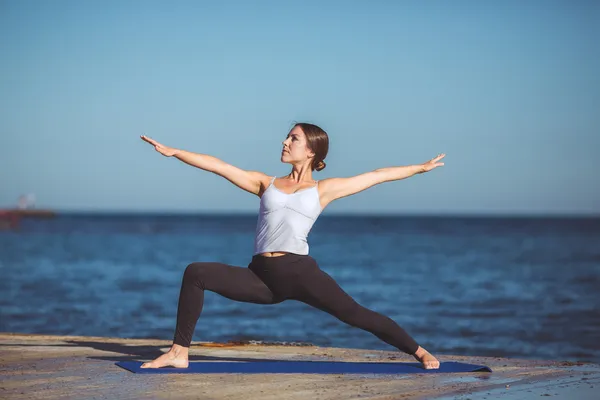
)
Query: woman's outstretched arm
[
  {"x": 336, "y": 188},
  {"x": 250, "y": 181}
]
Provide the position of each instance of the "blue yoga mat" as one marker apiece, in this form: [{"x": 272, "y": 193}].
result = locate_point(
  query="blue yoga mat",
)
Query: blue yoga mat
[{"x": 303, "y": 367}]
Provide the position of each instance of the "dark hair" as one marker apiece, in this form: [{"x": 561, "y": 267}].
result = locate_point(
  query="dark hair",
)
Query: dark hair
[{"x": 318, "y": 143}]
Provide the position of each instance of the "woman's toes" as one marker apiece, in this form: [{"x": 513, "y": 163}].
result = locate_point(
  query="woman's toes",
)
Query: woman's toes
[{"x": 432, "y": 365}]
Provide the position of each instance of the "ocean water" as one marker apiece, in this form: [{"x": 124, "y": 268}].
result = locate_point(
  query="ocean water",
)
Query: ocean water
[{"x": 514, "y": 287}]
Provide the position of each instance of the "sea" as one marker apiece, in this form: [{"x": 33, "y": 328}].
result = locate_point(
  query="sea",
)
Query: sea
[{"x": 526, "y": 287}]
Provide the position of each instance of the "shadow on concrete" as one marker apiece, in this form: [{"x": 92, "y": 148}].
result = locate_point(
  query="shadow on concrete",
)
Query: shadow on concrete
[{"x": 130, "y": 353}]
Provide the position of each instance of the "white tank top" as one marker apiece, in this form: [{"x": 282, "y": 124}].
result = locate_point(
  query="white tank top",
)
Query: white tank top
[{"x": 284, "y": 220}]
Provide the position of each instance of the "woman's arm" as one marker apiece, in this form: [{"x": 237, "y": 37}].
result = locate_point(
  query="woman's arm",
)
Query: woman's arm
[
  {"x": 336, "y": 188},
  {"x": 250, "y": 181}
]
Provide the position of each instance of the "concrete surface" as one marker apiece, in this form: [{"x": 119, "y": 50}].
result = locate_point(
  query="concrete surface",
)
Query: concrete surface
[{"x": 58, "y": 367}]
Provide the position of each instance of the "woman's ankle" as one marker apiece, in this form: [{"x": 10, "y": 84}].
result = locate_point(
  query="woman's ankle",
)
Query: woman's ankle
[
  {"x": 420, "y": 352},
  {"x": 179, "y": 350}
]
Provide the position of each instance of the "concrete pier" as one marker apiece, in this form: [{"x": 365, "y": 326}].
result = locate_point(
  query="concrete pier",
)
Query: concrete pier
[{"x": 74, "y": 367}]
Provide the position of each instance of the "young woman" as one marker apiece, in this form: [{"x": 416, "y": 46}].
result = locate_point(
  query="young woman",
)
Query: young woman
[{"x": 281, "y": 268}]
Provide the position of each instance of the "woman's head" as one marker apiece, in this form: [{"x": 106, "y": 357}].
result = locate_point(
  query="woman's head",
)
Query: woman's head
[{"x": 306, "y": 142}]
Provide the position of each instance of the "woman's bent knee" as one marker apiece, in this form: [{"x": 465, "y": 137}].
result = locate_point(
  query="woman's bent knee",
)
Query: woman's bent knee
[{"x": 195, "y": 272}]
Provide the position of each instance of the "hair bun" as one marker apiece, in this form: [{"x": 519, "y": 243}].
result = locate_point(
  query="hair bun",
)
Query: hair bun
[{"x": 320, "y": 165}]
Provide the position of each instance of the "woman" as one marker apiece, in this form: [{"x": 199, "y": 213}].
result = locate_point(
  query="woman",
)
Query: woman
[{"x": 281, "y": 268}]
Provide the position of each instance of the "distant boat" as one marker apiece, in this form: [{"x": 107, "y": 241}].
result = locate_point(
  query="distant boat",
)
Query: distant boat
[
  {"x": 28, "y": 213},
  {"x": 10, "y": 217}
]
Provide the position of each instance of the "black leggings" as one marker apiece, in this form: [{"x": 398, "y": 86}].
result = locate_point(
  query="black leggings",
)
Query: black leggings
[{"x": 270, "y": 280}]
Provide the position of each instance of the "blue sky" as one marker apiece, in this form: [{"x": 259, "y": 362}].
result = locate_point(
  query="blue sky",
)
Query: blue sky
[{"x": 510, "y": 91}]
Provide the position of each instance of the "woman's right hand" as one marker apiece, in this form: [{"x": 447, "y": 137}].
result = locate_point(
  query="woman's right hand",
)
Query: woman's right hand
[{"x": 162, "y": 149}]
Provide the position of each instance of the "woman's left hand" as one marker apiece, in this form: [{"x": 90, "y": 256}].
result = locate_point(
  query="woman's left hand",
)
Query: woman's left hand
[{"x": 433, "y": 163}]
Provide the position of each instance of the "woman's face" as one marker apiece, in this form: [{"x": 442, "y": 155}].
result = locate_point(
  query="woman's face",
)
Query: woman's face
[{"x": 295, "y": 147}]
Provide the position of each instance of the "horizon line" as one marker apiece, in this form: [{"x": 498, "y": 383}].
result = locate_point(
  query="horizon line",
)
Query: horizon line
[{"x": 222, "y": 213}]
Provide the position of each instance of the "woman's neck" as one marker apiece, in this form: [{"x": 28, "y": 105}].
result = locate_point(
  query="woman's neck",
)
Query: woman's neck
[{"x": 301, "y": 174}]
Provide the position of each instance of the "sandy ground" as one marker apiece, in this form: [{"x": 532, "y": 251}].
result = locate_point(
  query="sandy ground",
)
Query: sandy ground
[{"x": 74, "y": 367}]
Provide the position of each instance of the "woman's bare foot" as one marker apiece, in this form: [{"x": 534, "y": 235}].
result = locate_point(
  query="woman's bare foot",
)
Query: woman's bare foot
[
  {"x": 176, "y": 357},
  {"x": 428, "y": 361}
]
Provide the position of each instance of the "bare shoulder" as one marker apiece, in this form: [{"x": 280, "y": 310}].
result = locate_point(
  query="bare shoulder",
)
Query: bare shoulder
[
  {"x": 261, "y": 176},
  {"x": 325, "y": 188},
  {"x": 327, "y": 184},
  {"x": 326, "y": 181},
  {"x": 335, "y": 188},
  {"x": 263, "y": 179},
  {"x": 248, "y": 180}
]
